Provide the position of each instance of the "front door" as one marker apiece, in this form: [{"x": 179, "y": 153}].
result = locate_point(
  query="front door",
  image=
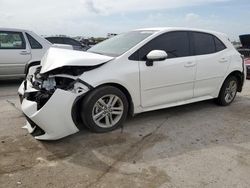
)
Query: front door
[{"x": 170, "y": 80}]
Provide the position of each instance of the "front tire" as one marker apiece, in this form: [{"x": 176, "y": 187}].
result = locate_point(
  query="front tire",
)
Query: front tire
[
  {"x": 104, "y": 109},
  {"x": 228, "y": 91}
]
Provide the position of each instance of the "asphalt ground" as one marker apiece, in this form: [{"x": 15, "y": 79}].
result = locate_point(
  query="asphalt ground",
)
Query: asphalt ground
[{"x": 196, "y": 145}]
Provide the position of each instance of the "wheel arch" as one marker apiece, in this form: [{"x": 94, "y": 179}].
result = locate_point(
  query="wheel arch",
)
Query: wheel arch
[
  {"x": 240, "y": 77},
  {"x": 126, "y": 92},
  {"x": 76, "y": 105}
]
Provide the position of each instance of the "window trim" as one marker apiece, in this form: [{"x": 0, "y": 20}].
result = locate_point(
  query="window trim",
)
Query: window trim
[{"x": 24, "y": 46}]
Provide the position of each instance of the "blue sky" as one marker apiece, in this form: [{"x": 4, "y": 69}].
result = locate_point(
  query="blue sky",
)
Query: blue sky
[{"x": 98, "y": 17}]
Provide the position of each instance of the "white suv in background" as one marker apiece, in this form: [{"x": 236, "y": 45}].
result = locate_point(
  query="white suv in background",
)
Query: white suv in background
[
  {"x": 18, "y": 48},
  {"x": 131, "y": 73}
]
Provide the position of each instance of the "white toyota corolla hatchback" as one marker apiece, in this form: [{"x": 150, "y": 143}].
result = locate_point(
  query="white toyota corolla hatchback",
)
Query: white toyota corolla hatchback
[{"x": 134, "y": 72}]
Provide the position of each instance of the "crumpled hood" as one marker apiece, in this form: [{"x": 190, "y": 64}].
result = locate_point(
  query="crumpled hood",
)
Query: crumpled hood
[{"x": 56, "y": 58}]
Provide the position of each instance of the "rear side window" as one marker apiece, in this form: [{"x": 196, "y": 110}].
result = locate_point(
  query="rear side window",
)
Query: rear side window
[
  {"x": 176, "y": 44},
  {"x": 203, "y": 43},
  {"x": 219, "y": 45},
  {"x": 34, "y": 44},
  {"x": 12, "y": 40}
]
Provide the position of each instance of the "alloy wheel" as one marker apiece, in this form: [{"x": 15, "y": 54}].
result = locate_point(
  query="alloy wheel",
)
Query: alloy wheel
[
  {"x": 230, "y": 91},
  {"x": 107, "y": 111}
]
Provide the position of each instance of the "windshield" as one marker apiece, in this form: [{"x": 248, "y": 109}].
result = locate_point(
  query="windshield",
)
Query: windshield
[{"x": 119, "y": 44}]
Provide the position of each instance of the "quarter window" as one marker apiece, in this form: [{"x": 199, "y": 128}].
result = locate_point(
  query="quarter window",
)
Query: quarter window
[
  {"x": 12, "y": 40},
  {"x": 219, "y": 45},
  {"x": 176, "y": 44},
  {"x": 34, "y": 44},
  {"x": 203, "y": 43}
]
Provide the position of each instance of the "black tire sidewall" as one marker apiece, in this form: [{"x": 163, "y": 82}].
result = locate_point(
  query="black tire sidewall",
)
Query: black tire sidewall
[{"x": 89, "y": 102}]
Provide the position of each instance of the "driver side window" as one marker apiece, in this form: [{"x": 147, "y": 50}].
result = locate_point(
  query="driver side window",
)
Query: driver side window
[{"x": 176, "y": 44}]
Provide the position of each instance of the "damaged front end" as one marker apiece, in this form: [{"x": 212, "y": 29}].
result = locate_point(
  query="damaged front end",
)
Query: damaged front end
[
  {"x": 44, "y": 85},
  {"x": 51, "y": 89},
  {"x": 47, "y": 100}
]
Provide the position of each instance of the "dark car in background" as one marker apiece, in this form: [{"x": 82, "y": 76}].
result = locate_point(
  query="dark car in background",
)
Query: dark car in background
[
  {"x": 245, "y": 45},
  {"x": 67, "y": 41},
  {"x": 245, "y": 50},
  {"x": 245, "y": 41},
  {"x": 247, "y": 62}
]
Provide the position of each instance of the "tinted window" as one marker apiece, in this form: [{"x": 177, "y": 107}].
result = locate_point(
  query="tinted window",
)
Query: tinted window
[
  {"x": 34, "y": 44},
  {"x": 71, "y": 42},
  {"x": 176, "y": 44},
  {"x": 203, "y": 43},
  {"x": 219, "y": 45},
  {"x": 11, "y": 40},
  {"x": 55, "y": 40}
]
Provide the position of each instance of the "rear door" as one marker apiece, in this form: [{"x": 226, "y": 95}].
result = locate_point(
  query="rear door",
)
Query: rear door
[
  {"x": 14, "y": 53},
  {"x": 212, "y": 63}
]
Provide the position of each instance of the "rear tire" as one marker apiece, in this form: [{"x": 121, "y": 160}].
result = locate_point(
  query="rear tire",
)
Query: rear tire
[
  {"x": 104, "y": 109},
  {"x": 228, "y": 91}
]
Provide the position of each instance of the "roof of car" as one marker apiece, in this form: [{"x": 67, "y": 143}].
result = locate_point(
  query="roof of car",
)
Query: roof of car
[
  {"x": 162, "y": 29},
  {"x": 13, "y": 29},
  {"x": 56, "y": 37}
]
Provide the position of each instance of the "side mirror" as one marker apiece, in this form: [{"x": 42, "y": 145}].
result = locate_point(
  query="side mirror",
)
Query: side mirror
[{"x": 156, "y": 55}]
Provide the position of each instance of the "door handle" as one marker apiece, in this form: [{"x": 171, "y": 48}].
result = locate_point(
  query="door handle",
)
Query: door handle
[
  {"x": 24, "y": 53},
  {"x": 223, "y": 60},
  {"x": 190, "y": 64}
]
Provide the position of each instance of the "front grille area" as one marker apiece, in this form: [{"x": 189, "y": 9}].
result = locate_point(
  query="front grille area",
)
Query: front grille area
[{"x": 40, "y": 97}]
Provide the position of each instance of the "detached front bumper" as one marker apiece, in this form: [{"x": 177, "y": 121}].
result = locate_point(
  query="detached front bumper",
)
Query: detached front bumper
[{"x": 54, "y": 119}]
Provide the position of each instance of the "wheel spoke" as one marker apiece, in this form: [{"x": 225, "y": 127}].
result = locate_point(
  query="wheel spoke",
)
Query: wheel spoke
[
  {"x": 114, "y": 101},
  {"x": 111, "y": 98},
  {"x": 107, "y": 121},
  {"x": 227, "y": 97},
  {"x": 101, "y": 102},
  {"x": 99, "y": 116},
  {"x": 233, "y": 88},
  {"x": 99, "y": 105},
  {"x": 117, "y": 110},
  {"x": 111, "y": 119}
]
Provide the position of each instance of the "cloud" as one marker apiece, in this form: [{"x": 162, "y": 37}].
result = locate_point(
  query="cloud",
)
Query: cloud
[
  {"x": 112, "y": 6},
  {"x": 192, "y": 17},
  {"x": 81, "y": 16}
]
